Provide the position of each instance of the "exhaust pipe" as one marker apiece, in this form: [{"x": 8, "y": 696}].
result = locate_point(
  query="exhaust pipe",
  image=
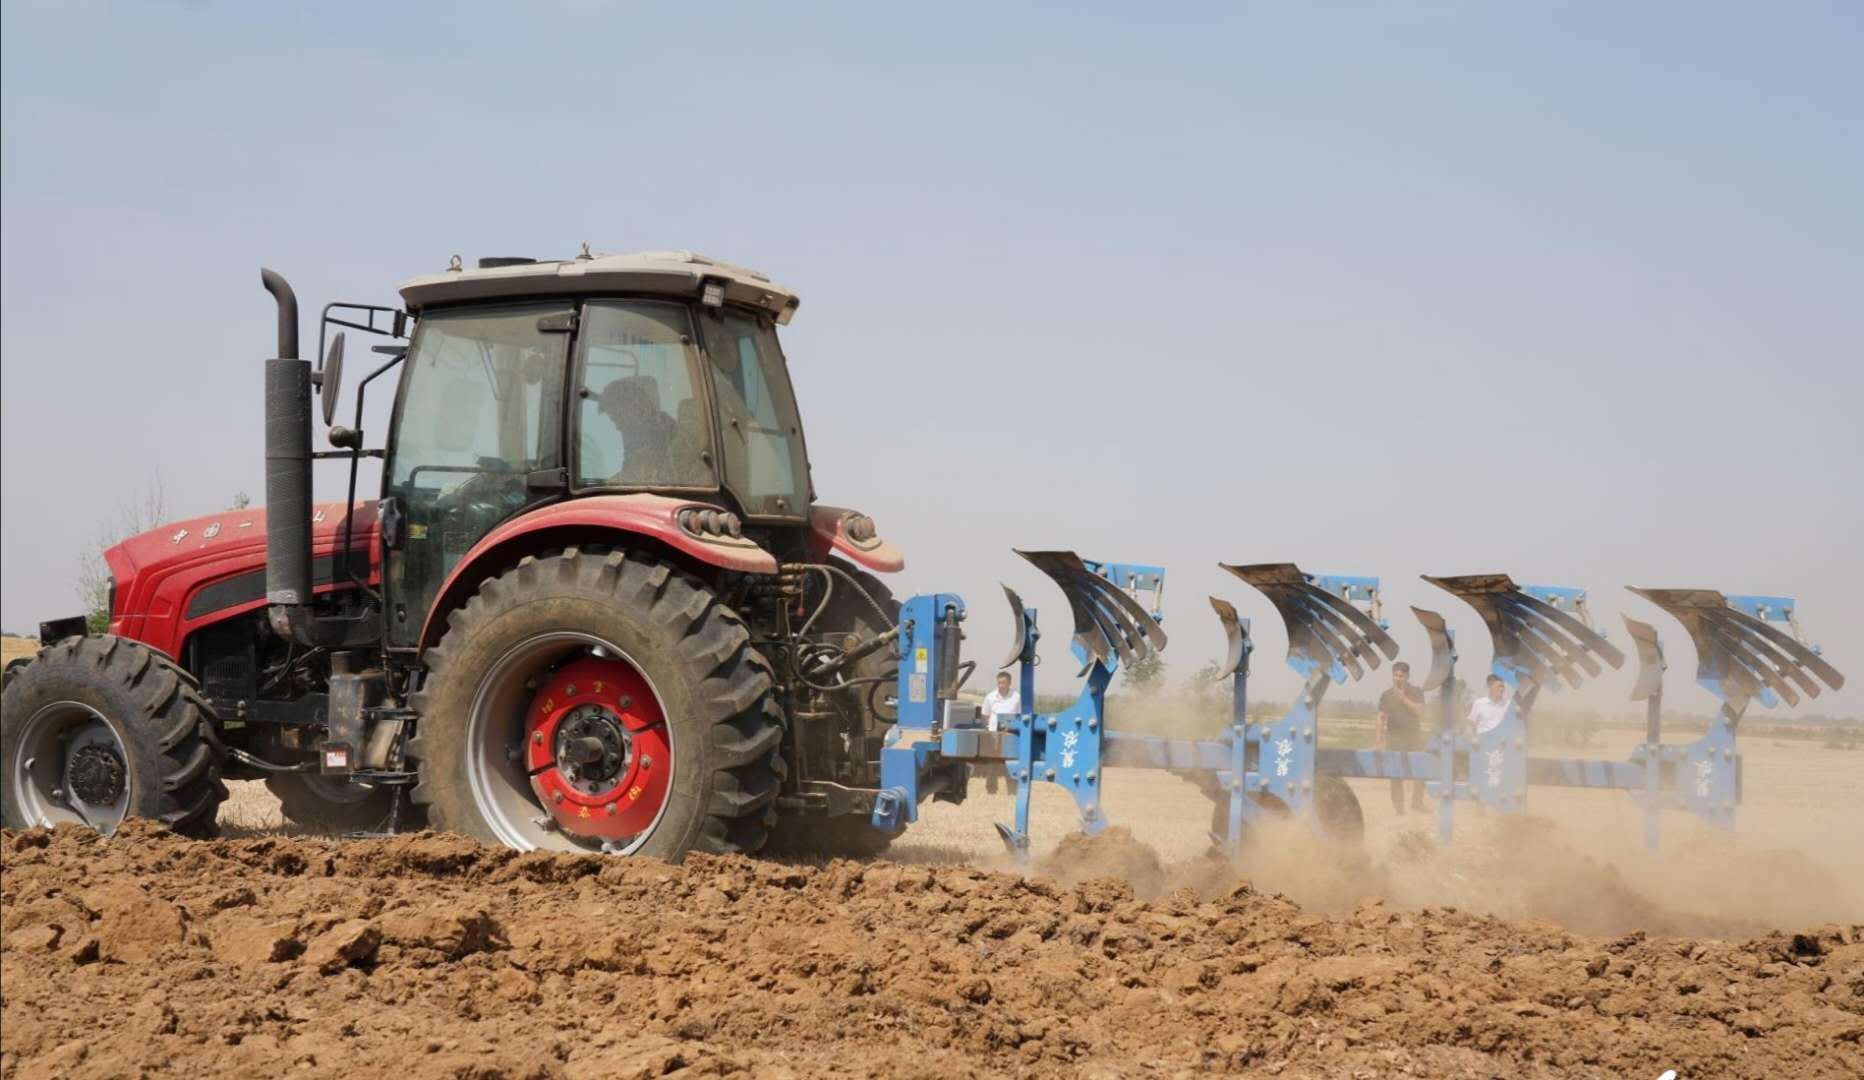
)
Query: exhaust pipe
[{"x": 287, "y": 466}]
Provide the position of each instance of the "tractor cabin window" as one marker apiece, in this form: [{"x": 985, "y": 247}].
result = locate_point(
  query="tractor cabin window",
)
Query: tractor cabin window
[
  {"x": 761, "y": 433},
  {"x": 639, "y": 423}
]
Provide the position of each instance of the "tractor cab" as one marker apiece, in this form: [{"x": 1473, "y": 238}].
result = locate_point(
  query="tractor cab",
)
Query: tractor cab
[{"x": 528, "y": 383}]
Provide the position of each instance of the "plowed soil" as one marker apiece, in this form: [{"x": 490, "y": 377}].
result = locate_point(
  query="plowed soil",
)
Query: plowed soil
[{"x": 430, "y": 956}]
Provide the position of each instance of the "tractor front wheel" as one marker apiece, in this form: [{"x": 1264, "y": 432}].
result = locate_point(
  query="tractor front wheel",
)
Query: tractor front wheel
[
  {"x": 598, "y": 701},
  {"x": 98, "y": 729}
]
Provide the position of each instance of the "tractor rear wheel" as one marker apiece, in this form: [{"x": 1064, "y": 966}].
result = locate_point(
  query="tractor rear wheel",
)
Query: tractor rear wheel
[
  {"x": 598, "y": 701},
  {"x": 99, "y": 729},
  {"x": 314, "y": 801}
]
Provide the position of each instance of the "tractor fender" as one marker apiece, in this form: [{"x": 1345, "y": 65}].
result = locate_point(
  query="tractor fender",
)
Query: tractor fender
[
  {"x": 652, "y": 517},
  {"x": 850, "y": 534}
]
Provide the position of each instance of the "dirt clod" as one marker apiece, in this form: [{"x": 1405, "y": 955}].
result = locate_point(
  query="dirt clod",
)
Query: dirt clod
[{"x": 432, "y": 956}]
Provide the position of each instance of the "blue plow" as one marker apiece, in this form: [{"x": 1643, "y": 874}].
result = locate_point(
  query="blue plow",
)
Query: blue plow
[{"x": 1543, "y": 637}]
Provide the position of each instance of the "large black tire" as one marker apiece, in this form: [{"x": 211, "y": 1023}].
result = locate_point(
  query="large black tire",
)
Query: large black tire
[
  {"x": 714, "y": 688},
  {"x": 330, "y": 805},
  {"x": 169, "y": 753}
]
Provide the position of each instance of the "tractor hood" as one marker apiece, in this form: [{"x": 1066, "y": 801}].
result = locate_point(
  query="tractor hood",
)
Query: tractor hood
[
  {"x": 666, "y": 273},
  {"x": 180, "y": 576}
]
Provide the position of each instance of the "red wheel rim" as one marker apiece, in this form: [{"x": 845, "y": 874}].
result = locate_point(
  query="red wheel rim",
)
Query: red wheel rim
[{"x": 597, "y": 749}]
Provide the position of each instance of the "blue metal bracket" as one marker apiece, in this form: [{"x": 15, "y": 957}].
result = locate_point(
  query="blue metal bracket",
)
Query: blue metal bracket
[
  {"x": 1336, "y": 632},
  {"x": 1063, "y": 748},
  {"x": 1143, "y": 582},
  {"x": 1742, "y": 658}
]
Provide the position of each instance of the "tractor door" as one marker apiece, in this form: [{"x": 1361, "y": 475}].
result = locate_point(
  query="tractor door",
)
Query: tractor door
[{"x": 476, "y": 433}]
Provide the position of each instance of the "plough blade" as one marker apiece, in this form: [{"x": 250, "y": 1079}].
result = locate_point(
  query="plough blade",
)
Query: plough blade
[
  {"x": 1741, "y": 656},
  {"x": 1019, "y": 640},
  {"x": 1442, "y": 649},
  {"x": 1108, "y": 623},
  {"x": 1324, "y": 631},
  {"x": 1236, "y": 655},
  {"x": 1650, "y": 661},
  {"x": 1530, "y": 634}
]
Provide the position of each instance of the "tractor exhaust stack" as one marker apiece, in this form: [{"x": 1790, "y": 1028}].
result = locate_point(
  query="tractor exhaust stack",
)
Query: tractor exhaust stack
[{"x": 287, "y": 466}]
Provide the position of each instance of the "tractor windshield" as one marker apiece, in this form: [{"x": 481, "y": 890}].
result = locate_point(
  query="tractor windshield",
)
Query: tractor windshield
[{"x": 760, "y": 432}]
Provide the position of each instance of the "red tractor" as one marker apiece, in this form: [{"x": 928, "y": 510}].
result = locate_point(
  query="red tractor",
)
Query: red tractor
[{"x": 596, "y": 607}]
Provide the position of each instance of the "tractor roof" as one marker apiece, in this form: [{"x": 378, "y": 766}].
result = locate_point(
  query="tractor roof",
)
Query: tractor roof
[{"x": 669, "y": 273}]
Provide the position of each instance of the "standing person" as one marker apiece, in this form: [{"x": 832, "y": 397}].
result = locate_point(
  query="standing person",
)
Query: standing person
[
  {"x": 1401, "y": 727},
  {"x": 1000, "y": 702},
  {"x": 1486, "y": 713}
]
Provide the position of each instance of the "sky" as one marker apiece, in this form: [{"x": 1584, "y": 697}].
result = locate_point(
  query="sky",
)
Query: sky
[{"x": 1570, "y": 291}]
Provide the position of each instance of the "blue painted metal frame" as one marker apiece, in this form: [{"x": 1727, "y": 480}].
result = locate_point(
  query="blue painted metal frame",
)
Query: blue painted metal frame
[
  {"x": 1062, "y": 748},
  {"x": 1541, "y": 634},
  {"x": 1141, "y": 581}
]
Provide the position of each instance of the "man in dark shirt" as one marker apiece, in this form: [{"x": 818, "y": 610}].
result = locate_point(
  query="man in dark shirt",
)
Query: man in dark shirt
[{"x": 1401, "y": 727}]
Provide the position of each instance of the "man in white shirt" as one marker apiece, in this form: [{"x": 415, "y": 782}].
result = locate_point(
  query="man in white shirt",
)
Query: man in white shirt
[
  {"x": 999, "y": 703},
  {"x": 1002, "y": 701},
  {"x": 1486, "y": 713}
]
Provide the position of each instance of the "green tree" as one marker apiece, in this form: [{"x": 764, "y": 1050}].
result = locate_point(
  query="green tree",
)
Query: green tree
[{"x": 1145, "y": 675}]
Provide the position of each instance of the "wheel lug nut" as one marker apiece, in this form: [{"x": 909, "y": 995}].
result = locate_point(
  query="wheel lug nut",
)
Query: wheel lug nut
[
  {"x": 556, "y": 796},
  {"x": 647, "y": 761},
  {"x": 610, "y": 810},
  {"x": 537, "y": 737}
]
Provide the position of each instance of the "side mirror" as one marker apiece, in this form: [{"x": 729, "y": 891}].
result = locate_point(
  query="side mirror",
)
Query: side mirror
[{"x": 329, "y": 379}]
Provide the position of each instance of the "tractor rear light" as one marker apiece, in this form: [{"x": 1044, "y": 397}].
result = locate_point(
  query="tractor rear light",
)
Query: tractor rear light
[
  {"x": 709, "y": 523},
  {"x": 859, "y": 528},
  {"x": 713, "y": 293}
]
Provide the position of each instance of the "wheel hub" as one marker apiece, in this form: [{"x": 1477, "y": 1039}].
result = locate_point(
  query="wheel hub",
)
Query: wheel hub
[
  {"x": 597, "y": 749},
  {"x": 95, "y": 774},
  {"x": 592, "y": 748}
]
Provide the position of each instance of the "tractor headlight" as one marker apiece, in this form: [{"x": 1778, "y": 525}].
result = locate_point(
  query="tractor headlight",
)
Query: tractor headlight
[{"x": 713, "y": 293}]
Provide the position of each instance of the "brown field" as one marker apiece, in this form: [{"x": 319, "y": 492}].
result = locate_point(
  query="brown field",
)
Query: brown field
[
  {"x": 12, "y": 648},
  {"x": 1547, "y": 945}
]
